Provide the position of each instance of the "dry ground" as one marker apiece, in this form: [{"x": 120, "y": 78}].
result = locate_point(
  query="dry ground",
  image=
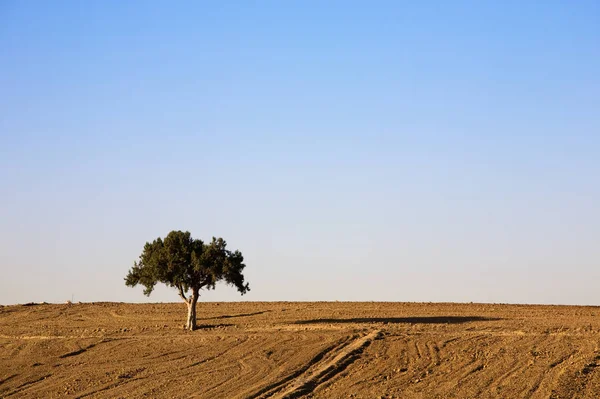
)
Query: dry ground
[{"x": 314, "y": 350}]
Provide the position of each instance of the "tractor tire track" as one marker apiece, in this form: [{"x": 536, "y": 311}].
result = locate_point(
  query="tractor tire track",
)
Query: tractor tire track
[{"x": 326, "y": 369}]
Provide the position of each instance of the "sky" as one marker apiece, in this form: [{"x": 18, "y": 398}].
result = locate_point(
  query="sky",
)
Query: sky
[{"x": 353, "y": 151}]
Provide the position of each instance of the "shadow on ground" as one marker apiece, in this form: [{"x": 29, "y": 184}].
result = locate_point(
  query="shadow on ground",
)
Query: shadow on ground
[
  {"x": 234, "y": 315},
  {"x": 211, "y": 326},
  {"x": 403, "y": 320}
]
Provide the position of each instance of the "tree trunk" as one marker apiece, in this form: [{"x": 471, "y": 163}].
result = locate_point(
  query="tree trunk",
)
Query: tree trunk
[{"x": 191, "y": 317}]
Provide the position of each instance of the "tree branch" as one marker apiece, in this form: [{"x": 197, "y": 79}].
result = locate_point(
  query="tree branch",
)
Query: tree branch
[
  {"x": 182, "y": 294},
  {"x": 204, "y": 283}
]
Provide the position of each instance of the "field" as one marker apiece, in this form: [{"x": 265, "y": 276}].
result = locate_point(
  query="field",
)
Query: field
[{"x": 286, "y": 350}]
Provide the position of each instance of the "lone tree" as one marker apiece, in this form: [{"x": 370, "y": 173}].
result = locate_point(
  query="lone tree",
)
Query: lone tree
[{"x": 189, "y": 265}]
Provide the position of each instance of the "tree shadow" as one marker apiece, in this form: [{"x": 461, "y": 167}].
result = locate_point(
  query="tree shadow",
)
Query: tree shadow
[
  {"x": 403, "y": 320},
  {"x": 235, "y": 315},
  {"x": 211, "y": 326}
]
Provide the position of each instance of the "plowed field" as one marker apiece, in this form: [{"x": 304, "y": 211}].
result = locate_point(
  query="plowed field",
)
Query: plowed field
[{"x": 290, "y": 350}]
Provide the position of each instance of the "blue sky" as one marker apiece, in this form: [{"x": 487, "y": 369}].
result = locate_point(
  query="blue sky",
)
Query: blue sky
[{"x": 401, "y": 151}]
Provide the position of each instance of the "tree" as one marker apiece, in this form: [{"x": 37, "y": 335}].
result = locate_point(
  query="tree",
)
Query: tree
[{"x": 188, "y": 265}]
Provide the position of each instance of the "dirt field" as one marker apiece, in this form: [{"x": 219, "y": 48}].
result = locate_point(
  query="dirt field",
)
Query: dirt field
[{"x": 315, "y": 350}]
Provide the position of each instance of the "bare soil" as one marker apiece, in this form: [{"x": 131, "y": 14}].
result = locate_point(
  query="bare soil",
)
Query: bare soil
[{"x": 291, "y": 350}]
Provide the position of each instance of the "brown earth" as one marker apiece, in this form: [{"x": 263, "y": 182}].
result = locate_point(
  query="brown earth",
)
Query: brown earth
[{"x": 313, "y": 350}]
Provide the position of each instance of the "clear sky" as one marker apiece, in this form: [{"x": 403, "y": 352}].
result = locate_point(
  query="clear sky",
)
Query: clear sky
[{"x": 400, "y": 150}]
